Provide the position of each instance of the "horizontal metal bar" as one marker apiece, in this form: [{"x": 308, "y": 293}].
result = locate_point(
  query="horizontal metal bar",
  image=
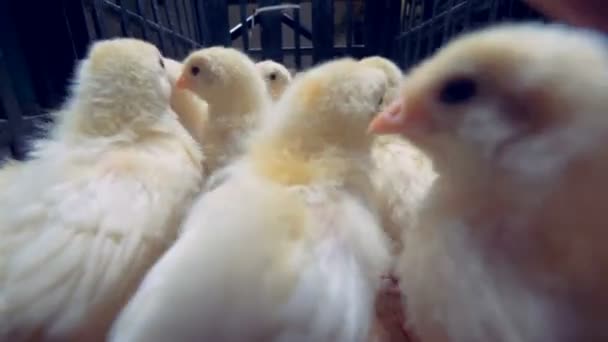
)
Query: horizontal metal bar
[{"x": 308, "y": 51}]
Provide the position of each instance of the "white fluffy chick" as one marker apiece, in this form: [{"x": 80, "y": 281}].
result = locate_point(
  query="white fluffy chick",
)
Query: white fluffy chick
[
  {"x": 191, "y": 110},
  {"x": 99, "y": 202},
  {"x": 401, "y": 173},
  {"x": 229, "y": 82},
  {"x": 511, "y": 244},
  {"x": 276, "y": 76},
  {"x": 302, "y": 259},
  {"x": 8, "y": 170}
]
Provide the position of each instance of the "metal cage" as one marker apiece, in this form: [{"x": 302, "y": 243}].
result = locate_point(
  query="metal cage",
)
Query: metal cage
[{"x": 40, "y": 42}]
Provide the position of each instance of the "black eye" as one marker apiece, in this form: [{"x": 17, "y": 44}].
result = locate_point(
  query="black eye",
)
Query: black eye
[
  {"x": 458, "y": 90},
  {"x": 161, "y": 62},
  {"x": 380, "y": 101},
  {"x": 273, "y": 76},
  {"x": 195, "y": 70}
]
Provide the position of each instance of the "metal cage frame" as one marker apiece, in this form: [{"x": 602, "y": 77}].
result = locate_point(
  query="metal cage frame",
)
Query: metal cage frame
[{"x": 36, "y": 61}]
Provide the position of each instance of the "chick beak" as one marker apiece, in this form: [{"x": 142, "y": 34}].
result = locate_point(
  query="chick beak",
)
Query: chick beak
[
  {"x": 183, "y": 82},
  {"x": 400, "y": 118},
  {"x": 390, "y": 120}
]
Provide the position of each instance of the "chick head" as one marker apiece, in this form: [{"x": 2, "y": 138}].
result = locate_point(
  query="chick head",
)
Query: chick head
[
  {"x": 332, "y": 103},
  {"x": 276, "y": 76},
  {"x": 125, "y": 73},
  {"x": 217, "y": 73},
  {"x": 490, "y": 91},
  {"x": 393, "y": 73}
]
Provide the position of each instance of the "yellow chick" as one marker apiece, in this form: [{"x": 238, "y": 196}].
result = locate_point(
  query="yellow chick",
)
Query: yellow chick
[
  {"x": 510, "y": 245},
  {"x": 393, "y": 74},
  {"x": 401, "y": 173},
  {"x": 235, "y": 93},
  {"x": 191, "y": 110},
  {"x": 100, "y": 200},
  {"x": 276, "y": 76},
  {"x": 288, "y": 246}
]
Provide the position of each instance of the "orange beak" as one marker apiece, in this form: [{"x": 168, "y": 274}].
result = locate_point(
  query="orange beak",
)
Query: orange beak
[
  {"x": 397, "y": 118},
  {"x": 182, "y": 82}
]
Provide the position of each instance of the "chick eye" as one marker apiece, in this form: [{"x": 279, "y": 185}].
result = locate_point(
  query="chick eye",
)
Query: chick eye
[
  {"x": 161, "y": 62},
  {"x": 272, "y": 76},
  {"x": 195, "y": 70},
  {"x": 457, "y": 91}
]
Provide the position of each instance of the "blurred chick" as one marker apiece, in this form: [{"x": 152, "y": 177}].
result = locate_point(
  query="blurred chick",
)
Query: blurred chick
[
  {"x": 393, "y": 73},
  {"x": 402, "y": 174},
  {"x": 98, "y": 202},
  {"x": 8, "y": 169},
  {"x": 191, "y": 110},
  {"x": 301, "y": 258},
  {"x": 511, "y": 244},
  {"x": 235, "y": 93},
  {"x": 276, "y": 76}
]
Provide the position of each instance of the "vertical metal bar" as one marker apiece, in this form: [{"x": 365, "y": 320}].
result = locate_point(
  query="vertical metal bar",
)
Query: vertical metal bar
[
  {"x": 144, "y": 26},
  {"x": 179, "y": 17},
  {"x": 216, "y": 28},
  {"x": 98, "y": 19},
  {"x": 322, "y": 30},
  {"x": 468, "y": 6},
  {"x": 190, "y": 32},
  {"x": 493, "y": 10},
  {"x": 244, "y": 25},
  {"x": 447, "y": 22},
  {"x": 171, "y": 28},
  {"x": 74, "y": 15},
  {"x": 123, "y": 19},
  {"x": 349, "y": 26},
  {"x": 271, "y": 31},
  {"x": 11, "y": 108},
  {"x": 161, "y": 35},
  {"x": 296, "y": 37}
]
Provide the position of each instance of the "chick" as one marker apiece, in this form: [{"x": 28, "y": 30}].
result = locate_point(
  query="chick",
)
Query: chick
[
  {"x": 191, "y": 110},
  {"x": 393, "y": 73},
  {"x": 401, "y": 173},
  {"x": 235, "y": 92},
  {"x": 8, "y": 170},
  {"x": 276, "y": 76},
  {"x": 99, "y": 201},
  {"x": 510, "y": 245},
  {"x": 310, "y": 249}
]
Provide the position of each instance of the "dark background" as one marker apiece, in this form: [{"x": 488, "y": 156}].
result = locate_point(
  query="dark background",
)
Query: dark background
[{"x": 41, "y": 40}]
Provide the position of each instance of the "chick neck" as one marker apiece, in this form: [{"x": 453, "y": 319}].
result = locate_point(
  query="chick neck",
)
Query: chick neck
[
  {"x": 114, "y": 119},
  {"x": 228, "y": 121}
]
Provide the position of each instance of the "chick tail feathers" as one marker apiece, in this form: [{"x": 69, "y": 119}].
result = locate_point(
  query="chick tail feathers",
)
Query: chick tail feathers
[
  {"x": 225, "y": 275},
  {"x": 55, "y": 275},
  {"x": 251, "y": 264}
]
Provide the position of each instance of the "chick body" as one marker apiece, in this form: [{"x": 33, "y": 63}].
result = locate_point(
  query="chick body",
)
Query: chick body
[{"x": 99, "y": 200}]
